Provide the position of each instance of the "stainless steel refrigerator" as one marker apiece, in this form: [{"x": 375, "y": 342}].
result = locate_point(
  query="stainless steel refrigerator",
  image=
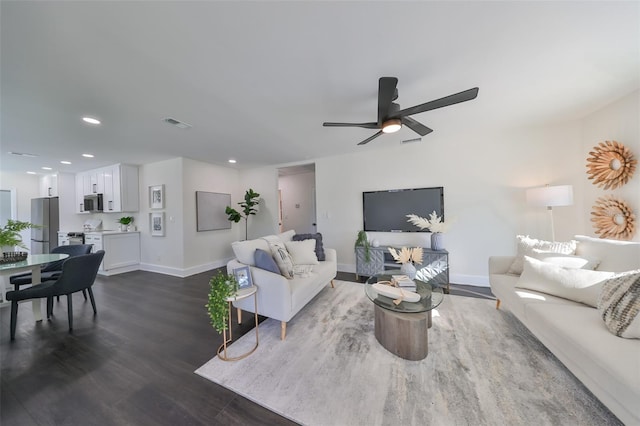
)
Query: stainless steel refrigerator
[{"x": 45, "y": 213}]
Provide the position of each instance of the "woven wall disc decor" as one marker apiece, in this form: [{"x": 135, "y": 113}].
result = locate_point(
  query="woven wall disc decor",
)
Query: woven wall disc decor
[
  {"x": 613, "y": 218},
  {"x": 610, "y": 165}
]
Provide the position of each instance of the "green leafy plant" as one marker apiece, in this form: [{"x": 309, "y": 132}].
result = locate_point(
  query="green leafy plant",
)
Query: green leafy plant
[
  {"x": 125, "y": 220},
  {"x": 10, "y": 233},
  {"x": 362, "y": 241},
  {"x": 221, "y": 287},
  {"x": 248, "y": 208}
]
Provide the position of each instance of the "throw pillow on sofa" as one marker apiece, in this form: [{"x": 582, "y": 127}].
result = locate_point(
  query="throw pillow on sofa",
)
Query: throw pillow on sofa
[
  {"x": 319, "y": 247},
  {"x": 566, "y": 260},
  {"x": 619, "y": 304},
  {"x": 526, "y": 244},
  {"x": 302, "y": 252},
  {"x": 281, "y": 256},
  {"x": 264, "y": 260},
  {"x": 616, "y": 256},
  {"x": 579, "y": 285}
]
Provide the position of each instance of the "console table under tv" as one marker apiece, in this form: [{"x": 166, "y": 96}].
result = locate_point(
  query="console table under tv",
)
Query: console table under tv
[{"x": 434, "y": 268}]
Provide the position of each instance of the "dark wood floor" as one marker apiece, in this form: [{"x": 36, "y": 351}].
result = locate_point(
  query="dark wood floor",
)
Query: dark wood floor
[{"x": 132, "y": 364}]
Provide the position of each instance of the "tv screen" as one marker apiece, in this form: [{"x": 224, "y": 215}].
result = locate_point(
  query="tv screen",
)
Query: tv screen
[{"x": 386, "y": 211}]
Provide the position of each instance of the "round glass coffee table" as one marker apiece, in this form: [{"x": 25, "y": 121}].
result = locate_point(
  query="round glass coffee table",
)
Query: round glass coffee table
[{"x": 401, "y": 327}]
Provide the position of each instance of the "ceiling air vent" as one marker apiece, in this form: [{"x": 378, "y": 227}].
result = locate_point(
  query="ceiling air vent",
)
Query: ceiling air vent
[
  {"x": 22, "y": 154},
  {"x": 177, "y": 123},
  {"x": 411, "y": 140}
]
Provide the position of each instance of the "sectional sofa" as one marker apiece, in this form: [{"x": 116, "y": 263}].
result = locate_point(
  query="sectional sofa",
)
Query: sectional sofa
[{"x": 563, "y": 317}]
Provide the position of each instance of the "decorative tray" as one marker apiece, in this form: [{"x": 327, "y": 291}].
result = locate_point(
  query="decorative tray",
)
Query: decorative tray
[
  {"x": 396, "y": 293},
  {"x": 13, "y": 256}
]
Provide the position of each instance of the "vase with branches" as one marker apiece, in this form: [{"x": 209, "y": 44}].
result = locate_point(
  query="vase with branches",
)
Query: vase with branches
[
  {"x": 251, "y": 200},
  {"x": 434, "y": 224},
  {"x": 408, "y": 258}
]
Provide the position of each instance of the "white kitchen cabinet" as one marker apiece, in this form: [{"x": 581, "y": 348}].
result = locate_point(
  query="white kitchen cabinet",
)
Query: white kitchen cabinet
[
  {"x": 49, "y": 185},
  {"x": 80, "y": 193},
  {"x": 121, "y": 250},
  {"x": 63, "y": 239},
  {"x": 118, "y": 185}
]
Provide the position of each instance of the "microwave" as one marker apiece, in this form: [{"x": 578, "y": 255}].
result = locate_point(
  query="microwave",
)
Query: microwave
[{"x": 93, "y": 203}]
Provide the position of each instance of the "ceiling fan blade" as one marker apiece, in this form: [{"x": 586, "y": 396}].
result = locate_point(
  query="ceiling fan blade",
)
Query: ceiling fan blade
[
  {"x": 417, "y": 127},
  {"x": 467, "y": 95},
  {"x": 386, "y": 92},
  {"x": 370, "y": 138},
  {"x": 364, "y": 125}
]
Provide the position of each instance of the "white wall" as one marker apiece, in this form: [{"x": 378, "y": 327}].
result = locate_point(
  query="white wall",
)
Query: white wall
[
  {"x": 298, "y": 201},
  {"x": 484, "y": 178},
  {"x": 26, "y": 187},
  {"x": 618, "y": 121},
  {"x": 208, "y": 249},
  {"x": 162, "y": 254}
]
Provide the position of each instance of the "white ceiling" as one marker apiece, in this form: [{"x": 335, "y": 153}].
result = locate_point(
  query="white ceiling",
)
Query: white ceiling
[{"x": 257, "y": 79}]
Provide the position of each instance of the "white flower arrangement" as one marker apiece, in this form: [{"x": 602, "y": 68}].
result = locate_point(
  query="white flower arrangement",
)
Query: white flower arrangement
[
  {"x": 406, "y": 255},
  {"x": 433, "y": 224}
]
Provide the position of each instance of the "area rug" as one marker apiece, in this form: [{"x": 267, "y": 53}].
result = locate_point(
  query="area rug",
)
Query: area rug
[{"x": 483, "y": 368}]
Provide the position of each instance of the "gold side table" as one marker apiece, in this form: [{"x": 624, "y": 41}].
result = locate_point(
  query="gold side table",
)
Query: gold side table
[{"x": 222, "y": 350}]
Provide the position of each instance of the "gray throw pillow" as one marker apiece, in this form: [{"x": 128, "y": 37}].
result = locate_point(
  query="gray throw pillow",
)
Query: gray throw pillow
[
  {"x": 264, "y": 260},
  {"x": 319, "y": 247}
]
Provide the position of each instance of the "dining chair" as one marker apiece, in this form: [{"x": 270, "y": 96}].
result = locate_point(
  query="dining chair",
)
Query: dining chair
[
  {"x": 78, "y": 273},
  {"x": 51, "y": 271}
]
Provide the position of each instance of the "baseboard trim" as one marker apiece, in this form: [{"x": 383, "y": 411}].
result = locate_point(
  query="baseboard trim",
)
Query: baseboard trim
[{"x": 183, "y": 272}]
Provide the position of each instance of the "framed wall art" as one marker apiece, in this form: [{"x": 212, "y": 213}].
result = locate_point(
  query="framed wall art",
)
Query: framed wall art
[
  {"x": 156, "y": 221},
  {"x": 210, "y": 207},
  {"x": 156, "y": 197}
]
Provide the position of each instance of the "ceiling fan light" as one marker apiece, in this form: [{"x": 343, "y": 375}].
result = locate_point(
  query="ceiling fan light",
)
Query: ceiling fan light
[{"x": 391, "y": 126}]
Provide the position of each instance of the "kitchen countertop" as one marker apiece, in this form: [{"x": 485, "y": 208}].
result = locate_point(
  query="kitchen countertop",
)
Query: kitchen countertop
[{"x": 111, "y": 232}]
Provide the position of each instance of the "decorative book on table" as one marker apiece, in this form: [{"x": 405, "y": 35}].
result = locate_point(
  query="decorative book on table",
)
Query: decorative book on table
[{"x": 403, "y": 281}]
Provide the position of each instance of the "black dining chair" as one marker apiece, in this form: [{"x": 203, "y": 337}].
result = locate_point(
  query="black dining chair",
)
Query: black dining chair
[
  {"x": 51, "y": 271},
  {"x": 78, "y": 273}
]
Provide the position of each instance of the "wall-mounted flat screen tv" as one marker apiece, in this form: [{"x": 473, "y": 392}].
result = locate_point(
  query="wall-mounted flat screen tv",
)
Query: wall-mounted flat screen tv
[{"x": 386, "y": 211}]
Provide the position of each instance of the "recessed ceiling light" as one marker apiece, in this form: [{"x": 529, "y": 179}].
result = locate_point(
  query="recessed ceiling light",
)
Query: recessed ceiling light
[
  {"x": 88, "y": 155},
  {"x": 31, "y": 173},
  {"x": 47, "y": 168},
  {"x": 65, "y": 162},
  {"x": 91, "y": 120},
  {"x": 232, "y": 161}
]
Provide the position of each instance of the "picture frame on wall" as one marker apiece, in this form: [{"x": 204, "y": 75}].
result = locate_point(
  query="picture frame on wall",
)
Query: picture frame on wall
[
  {"x": 156, "y": 221},
  {"x": 243, "y": 276},
  {"x": 156, "y": 197}
]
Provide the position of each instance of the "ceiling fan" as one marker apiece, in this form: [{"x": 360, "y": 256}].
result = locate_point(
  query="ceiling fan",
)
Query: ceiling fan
[{"x": 391, "y": 117}]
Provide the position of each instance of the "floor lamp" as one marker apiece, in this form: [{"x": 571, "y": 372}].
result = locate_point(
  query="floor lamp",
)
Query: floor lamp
[{"x": 549, "y": 197}]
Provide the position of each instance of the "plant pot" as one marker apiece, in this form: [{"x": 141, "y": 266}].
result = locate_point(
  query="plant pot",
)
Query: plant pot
[
  {"x": 437, "y": 241},
  {"x": 409, "y": 270}
]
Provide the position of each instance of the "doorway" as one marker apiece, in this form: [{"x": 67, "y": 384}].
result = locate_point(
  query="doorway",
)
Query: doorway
[{"x": 297, "y": 198}]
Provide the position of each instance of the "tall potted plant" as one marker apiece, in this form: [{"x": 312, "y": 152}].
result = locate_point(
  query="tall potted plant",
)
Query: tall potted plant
[{"x": 248, "y": 208}]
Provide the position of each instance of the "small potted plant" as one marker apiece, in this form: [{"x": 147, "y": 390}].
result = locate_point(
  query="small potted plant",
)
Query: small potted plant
[
  {"x": 221, "y": 287},
  {"x": 125, "y": 222},
  {"x": 434, "y": 224},
  {"x": 363, "y": 241},
  {"x": 10, "y": 238}
]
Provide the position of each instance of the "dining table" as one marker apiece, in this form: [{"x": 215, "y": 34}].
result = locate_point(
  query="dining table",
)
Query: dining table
[{"x": 33, "y": 263}]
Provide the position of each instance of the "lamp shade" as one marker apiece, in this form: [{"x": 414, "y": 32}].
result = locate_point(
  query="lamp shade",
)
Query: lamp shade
[{"x": 550, "y": 196}]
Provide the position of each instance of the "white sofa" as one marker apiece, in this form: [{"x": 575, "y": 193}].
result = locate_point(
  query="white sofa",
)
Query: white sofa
[
  {"x": 278, "y": 297},
  {"x": 609, "y": 366}
]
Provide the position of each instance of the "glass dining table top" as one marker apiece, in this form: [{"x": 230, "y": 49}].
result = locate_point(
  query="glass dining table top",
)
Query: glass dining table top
[{"x": 33, "y": 260}]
